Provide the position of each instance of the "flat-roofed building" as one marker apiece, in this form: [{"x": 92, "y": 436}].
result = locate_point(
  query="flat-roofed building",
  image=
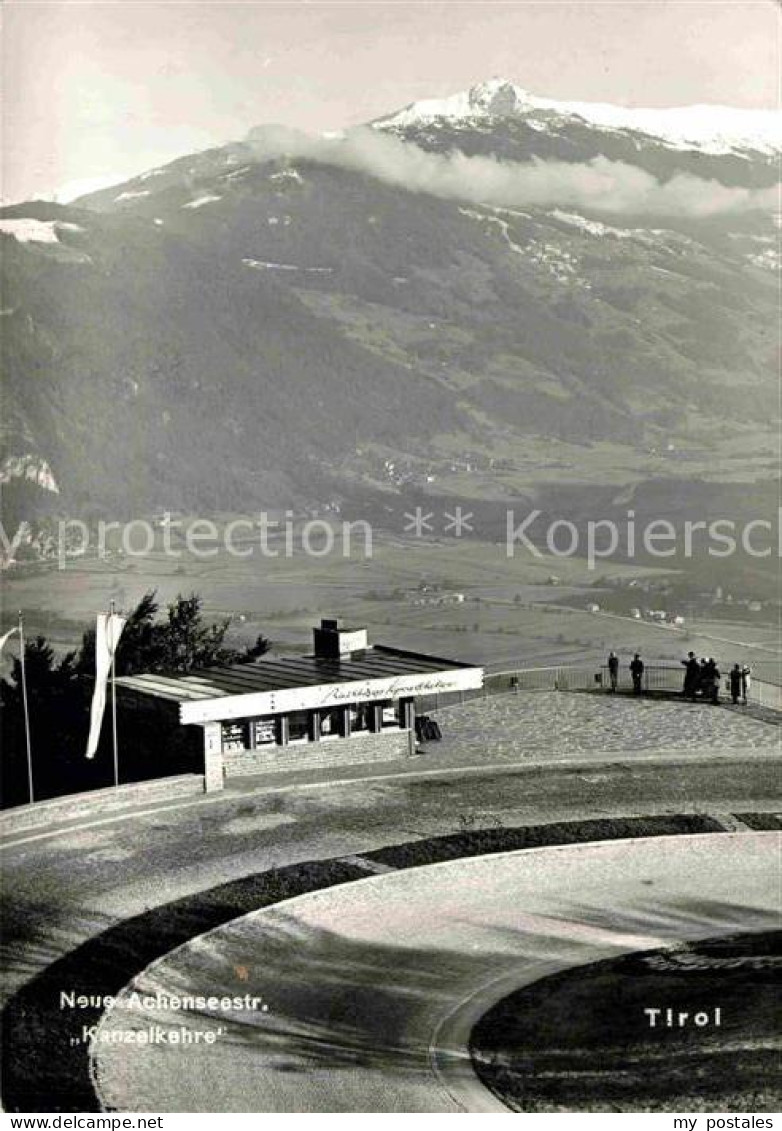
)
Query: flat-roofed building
[{"x": 348, "y": 703}]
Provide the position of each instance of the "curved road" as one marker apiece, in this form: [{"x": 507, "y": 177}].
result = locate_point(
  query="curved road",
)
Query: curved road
[
  {"x": 80, "y": 889},
  {"x": 372, "y": 987},
  {"x": 72, "y": 882}
]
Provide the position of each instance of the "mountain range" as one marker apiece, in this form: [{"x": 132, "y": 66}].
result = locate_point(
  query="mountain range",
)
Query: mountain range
[{"x": 286, "y": 322}]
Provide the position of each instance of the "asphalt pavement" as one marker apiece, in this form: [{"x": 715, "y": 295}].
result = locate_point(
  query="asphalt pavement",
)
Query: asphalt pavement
[
  {"x": 72, "y": 883},
  {"x": 66, "y": 884},
  {"x": 366, "y": 992}
]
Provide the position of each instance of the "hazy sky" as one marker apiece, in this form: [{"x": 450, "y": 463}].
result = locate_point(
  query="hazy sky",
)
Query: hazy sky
[{"x": 103, "y": 90}]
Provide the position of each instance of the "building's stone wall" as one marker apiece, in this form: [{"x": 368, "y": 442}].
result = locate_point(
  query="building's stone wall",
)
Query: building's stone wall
[
  {"x": 387, "y": 746},
  {"x": 213, "y": 757}
]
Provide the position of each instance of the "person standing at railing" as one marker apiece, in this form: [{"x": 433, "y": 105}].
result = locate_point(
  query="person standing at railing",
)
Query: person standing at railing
[
  {"x": 735, "y": 684},
  {"x": 711, "y": 681},
  {"x": 746, "y": 680},
  {"x": 715, "y": 697},
  {"x": 637, "y": 673},
  {"x": 613, "y": 670},
  {"x": 692, "y": 671}
]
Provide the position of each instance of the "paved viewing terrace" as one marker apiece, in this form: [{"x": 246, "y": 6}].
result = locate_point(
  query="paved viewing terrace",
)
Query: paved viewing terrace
[{"x": 541, "y": 723}]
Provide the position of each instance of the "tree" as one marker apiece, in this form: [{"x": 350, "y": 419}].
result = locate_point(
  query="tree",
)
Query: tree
[
  {"x": 187, "y": 642},
  {"x": 181, "y": 643},
  {"x": 60, "y": 690},
  {"x": 255, "y": 651},
  {"x": 58, "y": 705}
]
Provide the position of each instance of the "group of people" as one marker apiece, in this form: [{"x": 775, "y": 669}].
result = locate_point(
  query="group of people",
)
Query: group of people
[
  {"x": 701, "y": 677},
  {"x": 636, "y": 671}
]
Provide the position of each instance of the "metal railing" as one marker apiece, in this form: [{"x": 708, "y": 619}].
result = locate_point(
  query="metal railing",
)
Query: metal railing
[
  {"x": 765, "y": 694},
  {"x": 665, "y": 678}
]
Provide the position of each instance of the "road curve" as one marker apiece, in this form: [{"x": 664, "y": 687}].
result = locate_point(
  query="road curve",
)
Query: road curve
[{"x": 372, "y": 987}]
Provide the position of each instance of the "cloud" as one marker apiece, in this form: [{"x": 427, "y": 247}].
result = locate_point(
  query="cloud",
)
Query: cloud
[
  {"x": 599, "y": 184},
  {"x": 72, "y": 190}
]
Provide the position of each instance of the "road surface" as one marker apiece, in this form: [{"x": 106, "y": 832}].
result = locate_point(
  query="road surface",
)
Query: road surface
[
  {"x": 70, "y": 883},
  {"x": 88, "y": 903},
  {"x": 372, "y": 987}
]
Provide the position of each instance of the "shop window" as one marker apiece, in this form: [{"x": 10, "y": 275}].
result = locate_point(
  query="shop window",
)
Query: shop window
[
  {"x": 360, "y": 715},
  {"x": 331, "y": 723},
  {"x": 389, "y": 713},
  {"x": 299, "y": 726},
  {"x": 234, "y": 736},
  {"x": 265, "y": 731}
]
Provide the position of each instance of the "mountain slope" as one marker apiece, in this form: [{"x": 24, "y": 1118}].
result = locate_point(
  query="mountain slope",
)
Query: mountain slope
[
  {"x": 154, "y": 374},
  {"x": 228, "y": 332}
]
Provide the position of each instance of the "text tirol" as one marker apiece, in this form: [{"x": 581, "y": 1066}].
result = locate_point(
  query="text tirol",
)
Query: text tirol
[{"x": 660, "y": 1018}]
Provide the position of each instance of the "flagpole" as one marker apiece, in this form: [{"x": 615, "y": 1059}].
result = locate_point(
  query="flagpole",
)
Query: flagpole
[
  {"x": 114, "y": 695},
  {"x": 26, "y": 709}
]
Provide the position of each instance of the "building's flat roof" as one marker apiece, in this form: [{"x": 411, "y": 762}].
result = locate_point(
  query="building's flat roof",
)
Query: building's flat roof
[{"x": 375, "y": 662}]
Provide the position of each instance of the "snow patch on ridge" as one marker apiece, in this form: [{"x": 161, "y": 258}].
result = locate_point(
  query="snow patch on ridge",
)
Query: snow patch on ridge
[
  {"x": 266, "y": 265},
  {"x": 650, "y": 236},
  {"x": 561, "y": 264},
  {"x": 592, "y": 227},
  {"x": 503, "y": 225},
  {"x": 36, "y": 231},
  {"x": 200, "y": 201},
  {"x": 291, "y": 175},
  {"x": 131, "y": 195},
  {"x": 769, "y": 260}
]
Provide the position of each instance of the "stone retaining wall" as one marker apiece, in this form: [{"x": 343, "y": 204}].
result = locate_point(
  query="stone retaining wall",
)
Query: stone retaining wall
[
  {"x": 388, "y": 746},
  {"x": 75, "y": 806}
]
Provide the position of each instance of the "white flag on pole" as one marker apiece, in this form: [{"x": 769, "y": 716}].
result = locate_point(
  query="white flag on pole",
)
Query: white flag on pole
[
  {"x": 4, "y": 638},
  {"x": 107, "y": 633}
]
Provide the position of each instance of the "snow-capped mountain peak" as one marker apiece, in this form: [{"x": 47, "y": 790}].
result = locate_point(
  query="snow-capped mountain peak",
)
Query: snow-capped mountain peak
[
  {"x": 498, "y": 98},
  {"x": 494, "y": 98},
  {"x": 708, "y": 128}
]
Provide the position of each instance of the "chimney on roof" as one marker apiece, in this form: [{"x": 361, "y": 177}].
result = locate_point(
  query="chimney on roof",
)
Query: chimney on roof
[{"x": 335, "y": 643}]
